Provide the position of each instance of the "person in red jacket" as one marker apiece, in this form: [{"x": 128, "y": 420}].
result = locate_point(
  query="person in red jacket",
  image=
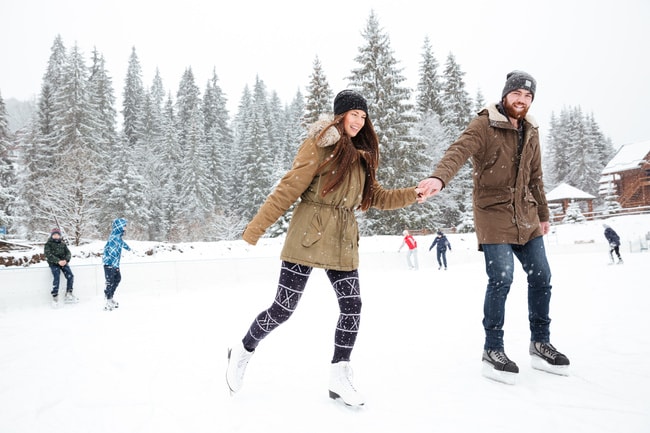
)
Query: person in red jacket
[{"x": 412, "y": 245}]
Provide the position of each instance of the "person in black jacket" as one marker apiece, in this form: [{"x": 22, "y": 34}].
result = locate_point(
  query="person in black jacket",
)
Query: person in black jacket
[
  {"x": 614, "y": 243},
  {"x": 58, "y": 257},
  {"x": 441, "y": 251}
]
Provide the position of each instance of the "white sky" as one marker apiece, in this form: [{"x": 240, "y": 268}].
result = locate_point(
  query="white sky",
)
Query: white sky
[{"x": 588, "y": 53}]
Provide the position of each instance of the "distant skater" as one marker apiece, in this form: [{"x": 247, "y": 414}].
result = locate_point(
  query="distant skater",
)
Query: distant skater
[
  {"x": 58, "y": 257},
  {"x": 614, "y": 244},
  {"x": 412, "y": 252},
  {"x": 442, "y": 244},
  {"x": 111, "y": 260}
]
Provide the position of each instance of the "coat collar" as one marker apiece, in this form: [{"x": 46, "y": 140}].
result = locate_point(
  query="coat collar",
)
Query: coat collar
[
  {"x": 499, "y": 120},
  {"x": 331, "y": 136}
]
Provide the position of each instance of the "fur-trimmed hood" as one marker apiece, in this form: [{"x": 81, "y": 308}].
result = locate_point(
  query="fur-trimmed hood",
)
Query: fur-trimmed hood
[
  {"x": 331, "y": 136},
  {"x": 497, "y": 119},
  {"x": 323, "y": 231}
]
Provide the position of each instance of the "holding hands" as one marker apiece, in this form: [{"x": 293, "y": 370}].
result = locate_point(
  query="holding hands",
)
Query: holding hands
[{"x": 428, "y": 188}]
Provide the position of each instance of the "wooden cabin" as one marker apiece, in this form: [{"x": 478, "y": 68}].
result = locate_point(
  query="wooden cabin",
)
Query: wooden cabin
[
  {"x": 628, "y": 175},
  {"x": 565, "y": 194}
]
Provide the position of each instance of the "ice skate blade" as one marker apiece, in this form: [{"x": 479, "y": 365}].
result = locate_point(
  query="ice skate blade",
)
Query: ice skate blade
[
  {"x": 539, "y": 364},
  {"x": 336, "y": 397},
  {"x": 230, "y": 389},
  {"x": 497, "y": 375}
]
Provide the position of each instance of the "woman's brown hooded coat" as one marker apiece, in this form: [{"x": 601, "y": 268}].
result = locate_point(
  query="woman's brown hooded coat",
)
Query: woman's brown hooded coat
[{"x": 323, "y": 231}]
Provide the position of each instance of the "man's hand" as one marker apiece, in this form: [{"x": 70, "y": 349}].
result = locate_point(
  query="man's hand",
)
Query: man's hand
[
  {"x": 545, "y": 226},
  {"x": 62, "y": 262},
  {"x": 428, "y": 188}
]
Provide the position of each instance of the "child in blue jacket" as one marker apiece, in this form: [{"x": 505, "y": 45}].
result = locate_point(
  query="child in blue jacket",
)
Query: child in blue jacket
[{"x": 111, "y": 260}]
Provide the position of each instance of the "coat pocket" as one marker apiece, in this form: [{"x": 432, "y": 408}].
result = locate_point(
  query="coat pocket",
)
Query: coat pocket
[
  {"x": 314, "y": 232},
  {"x": 489, "y": 197}
]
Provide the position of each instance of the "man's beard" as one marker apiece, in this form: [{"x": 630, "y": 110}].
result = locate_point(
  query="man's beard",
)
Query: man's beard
[{"x": 515, "y": 113}]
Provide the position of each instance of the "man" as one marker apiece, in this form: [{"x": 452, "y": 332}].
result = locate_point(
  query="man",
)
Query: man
[
  {"x": 58, "y": 258},
  {"x": 511, "y": 216},
  {"x": 412, "y": 246}
]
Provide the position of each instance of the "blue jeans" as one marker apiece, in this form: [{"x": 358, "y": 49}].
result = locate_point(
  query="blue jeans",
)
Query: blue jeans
[
  {"x": 499, "y": 265},
  {"x": 441, "y": 255},
  {"x": 113, "y": 278},
  {"x": 56, "y": 274}
]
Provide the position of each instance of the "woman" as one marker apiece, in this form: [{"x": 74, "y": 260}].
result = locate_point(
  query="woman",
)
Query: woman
[{"x": 333, "y": 174}]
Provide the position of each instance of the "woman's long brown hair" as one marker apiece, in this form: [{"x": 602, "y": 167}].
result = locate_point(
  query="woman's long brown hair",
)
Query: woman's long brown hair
[{"x": 365, "y": 145}]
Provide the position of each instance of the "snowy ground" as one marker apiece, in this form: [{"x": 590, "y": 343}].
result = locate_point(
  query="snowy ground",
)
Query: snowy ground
[{"x": 157, "y": 364}]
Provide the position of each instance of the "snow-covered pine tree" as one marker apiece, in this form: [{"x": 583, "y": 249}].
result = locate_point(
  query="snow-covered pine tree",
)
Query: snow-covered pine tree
[
  {"x": 277, "y": 136},
  {"x": 101, "y": 97},
  {"x": 219, "y": 137},
  {"x": 171, "y": 176},
  {"x": 196, "y": 192},
  {"x": 242, "y": 170},
  {"x": 576, "y": 151},
  {"x": 602, "y": 147},
  {"x": 456, "y": 199},
  {"x": 428, "y": 98},
  {"x": 573, "y": 214},
  {"x": 580, "y": 154},
  {"x": 219, "y": 141},
  {"x": 9, "y": 190},
  {"x": 479, "y": 101},
  {"x": 610, "y": 199},
  {"x": 379, "y": 79},
  {"x": 133, "y": 98},
  {"x": 319, "y": 95},
  {"x": 294, "y": 135},
  {"x": 154, "y": 169},
  {"x": 37, "y": 154},
  {"x": 550, "y": 154},
  {"x": 75, "y": 182},
  {"x": 428, "y": 128},
  {"x": 255, "y": 161},
  {"x": 124, "y": 189}
]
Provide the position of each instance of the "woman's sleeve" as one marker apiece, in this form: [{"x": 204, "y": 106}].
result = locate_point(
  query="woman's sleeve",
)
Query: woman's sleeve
[
  {"x": 388, "y": 199},
  {"x": 288, "y": 190}
]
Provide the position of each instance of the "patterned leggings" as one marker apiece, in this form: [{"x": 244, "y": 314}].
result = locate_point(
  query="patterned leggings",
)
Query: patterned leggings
[{"x": 293, "y": 279}]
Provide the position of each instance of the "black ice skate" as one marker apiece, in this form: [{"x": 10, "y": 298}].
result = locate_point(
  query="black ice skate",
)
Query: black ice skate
[
  {"x": 545, "y": 357},
  {"x": 497, "y": 366}
]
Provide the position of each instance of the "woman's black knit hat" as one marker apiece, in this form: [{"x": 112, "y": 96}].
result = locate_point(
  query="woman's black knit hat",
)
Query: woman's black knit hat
[{"x": 348, "y": 100}]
